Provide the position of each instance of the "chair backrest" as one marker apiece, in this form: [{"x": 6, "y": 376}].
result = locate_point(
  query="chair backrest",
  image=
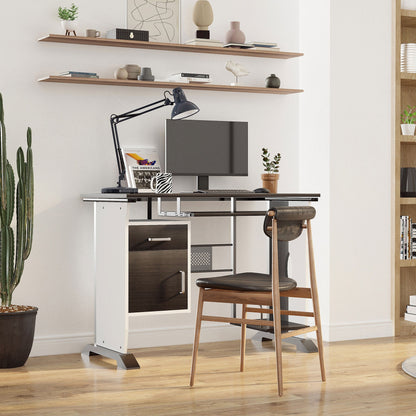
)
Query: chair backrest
[{"x": 289, "y": 221}]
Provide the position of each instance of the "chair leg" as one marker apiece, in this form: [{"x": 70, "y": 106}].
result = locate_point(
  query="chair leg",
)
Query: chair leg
[
  {"x": 197, "y": 334},
  {"x": 276, "y": 308},
  {"x": 243, "y": 338},
  {"x": 315, "y": 301}
]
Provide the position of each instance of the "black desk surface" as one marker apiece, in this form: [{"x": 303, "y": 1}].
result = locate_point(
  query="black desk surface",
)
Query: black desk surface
[{"x": 143, "y": 196}]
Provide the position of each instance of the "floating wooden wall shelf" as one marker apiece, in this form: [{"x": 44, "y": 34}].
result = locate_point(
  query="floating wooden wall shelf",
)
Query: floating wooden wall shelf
[
  {"x": 168, "y": 85},
  {"x": 176, "y": 47}
]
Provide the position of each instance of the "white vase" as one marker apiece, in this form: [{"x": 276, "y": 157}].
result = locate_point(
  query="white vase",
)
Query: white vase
[
  {"x": 408, "y": 129},
  {"x": 69, "y": 25},
  {"x": 202, "y": 14},
  {"x": 408, "y": 4}
]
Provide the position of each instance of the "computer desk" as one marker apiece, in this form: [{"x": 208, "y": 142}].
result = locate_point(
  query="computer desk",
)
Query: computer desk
[{"x": 112, "y": 218}]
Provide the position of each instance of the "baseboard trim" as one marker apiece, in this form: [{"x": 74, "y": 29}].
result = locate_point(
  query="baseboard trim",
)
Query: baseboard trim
[
  {"x": 155, "y": 337},
  {"x": 60, "y": 344},
  {"x": 159, "y": 337},
  {"x": 357, "y": 330}
]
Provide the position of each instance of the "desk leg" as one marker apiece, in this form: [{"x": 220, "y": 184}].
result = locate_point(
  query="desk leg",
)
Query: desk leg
[
  {"x": 124, "y": 361},
  {"x": 111, "y": 284}
]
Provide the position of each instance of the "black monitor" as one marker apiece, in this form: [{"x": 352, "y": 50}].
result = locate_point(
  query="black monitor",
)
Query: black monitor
[{"x": 206, "y": 148}]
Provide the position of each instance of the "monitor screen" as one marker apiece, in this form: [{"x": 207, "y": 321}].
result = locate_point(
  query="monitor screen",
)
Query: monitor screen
[{"x": 206, "y": 147}]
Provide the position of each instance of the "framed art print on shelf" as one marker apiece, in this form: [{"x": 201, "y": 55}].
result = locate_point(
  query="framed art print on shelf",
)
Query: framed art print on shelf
[
  {"x": 161, "y": 18},
  {"x": 142, "y": 164}
]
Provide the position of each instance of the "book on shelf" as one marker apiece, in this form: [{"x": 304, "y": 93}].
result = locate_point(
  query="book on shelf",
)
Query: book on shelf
[
  {"x": 259, "y": 44},
  {"x": 411, "y": 309},
  {"x": 239, "y": 45},
  {"x": 407, "y": 238},
  {"x": 204, "y": 42},
  {"x": 185, "y": 78},
  {"x": 191, "y": 75},
  {"x": 409, "y": 317},
  {"x": 412, "y": 300},
  {"x": 78, "y": 74}
]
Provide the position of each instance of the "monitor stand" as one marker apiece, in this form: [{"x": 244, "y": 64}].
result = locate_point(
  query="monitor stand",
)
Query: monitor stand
[{"x": 202, "y": 183}]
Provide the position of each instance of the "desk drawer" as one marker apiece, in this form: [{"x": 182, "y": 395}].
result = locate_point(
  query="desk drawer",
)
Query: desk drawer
[
  {"x": 158, "y": 280},
  {"x": 157, "y": 237}
]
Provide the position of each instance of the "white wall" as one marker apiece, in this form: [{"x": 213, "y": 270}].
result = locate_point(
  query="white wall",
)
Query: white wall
[
  {"x": 346, "y": 112},
  {"x": 73, "y": 150}
]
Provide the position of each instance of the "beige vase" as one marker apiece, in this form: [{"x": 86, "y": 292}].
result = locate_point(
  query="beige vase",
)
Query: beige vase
[
  {"x": 270, "y": 181},
  {"x": 203, "y": 15}
]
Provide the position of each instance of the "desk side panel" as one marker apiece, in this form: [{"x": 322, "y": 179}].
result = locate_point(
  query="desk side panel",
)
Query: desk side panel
[{"x": 111, "y": 255}]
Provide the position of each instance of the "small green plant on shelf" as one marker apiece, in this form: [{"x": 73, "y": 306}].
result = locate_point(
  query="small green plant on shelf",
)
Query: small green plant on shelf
[
  {"x": 66, "y": 13},
  {"x": 409, "y": 115},
  {"x": 408, "y": 120},
  {"x": 271, "y": 165}
]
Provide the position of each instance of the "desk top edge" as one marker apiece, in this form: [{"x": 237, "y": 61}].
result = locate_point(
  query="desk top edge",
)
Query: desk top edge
[{"x": 194, "y": 195}]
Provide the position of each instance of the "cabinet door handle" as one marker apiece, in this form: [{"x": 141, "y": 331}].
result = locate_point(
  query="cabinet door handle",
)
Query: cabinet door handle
[
  {"x": 183, "y": 283},
  {"x": 153, "y": 239}
]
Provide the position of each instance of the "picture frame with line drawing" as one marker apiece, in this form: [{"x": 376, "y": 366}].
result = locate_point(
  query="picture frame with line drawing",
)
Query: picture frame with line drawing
[{"x": 160, "y": 17}]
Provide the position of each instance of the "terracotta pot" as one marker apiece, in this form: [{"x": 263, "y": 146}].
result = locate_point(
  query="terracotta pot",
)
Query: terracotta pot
[
  {"x": 270, "y": 181},
  {"x": 203, "y": 15},
  {"x": 16, "y": 337},
  {"x": 235, "y": 35}
]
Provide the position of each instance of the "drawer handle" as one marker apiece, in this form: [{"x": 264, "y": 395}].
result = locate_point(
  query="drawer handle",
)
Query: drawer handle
[
  {"x": 183, "y": 283},
  {"x": 154, "y": 239}
]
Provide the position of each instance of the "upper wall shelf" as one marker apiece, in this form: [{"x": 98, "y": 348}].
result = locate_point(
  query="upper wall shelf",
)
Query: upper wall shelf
[
  {"x": 408, "y": 18},
  {"x": 160, "y": 84},
  {"x": 81, "y": 40},
  {"x": 408, "y": 79},
  {"x": 407, "y": 139}
]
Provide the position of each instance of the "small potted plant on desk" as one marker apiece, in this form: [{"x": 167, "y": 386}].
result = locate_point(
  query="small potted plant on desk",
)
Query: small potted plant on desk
[
  {"x": 68, "y": 16},
  {"x": 17, "y": 322},
  {"x": 271, "y": 167},
  {"x": 408, "y": 119}
]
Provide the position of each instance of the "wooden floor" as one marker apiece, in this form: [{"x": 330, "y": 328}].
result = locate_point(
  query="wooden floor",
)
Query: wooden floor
[{"x": 363, "y": 378}]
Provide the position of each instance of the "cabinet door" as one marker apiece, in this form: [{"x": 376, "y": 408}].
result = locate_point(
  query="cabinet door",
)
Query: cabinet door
[{"x": 158, "y": 268}]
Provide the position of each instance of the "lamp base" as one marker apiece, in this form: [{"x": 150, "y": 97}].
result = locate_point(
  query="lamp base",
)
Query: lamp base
[{"x": 119, "y": 190}]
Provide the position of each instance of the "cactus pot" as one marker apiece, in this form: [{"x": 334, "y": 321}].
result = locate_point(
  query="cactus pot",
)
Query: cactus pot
[
  {"x": 270, "y": 181},
  {"x": 16, "y": 337}
]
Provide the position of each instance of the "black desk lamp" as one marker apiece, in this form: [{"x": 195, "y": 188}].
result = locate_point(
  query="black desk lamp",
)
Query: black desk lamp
[{"x": 182, "y": 109}]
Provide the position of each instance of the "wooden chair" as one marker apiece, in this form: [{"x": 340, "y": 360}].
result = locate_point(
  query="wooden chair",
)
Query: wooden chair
[{"x": 281, "y": 224}]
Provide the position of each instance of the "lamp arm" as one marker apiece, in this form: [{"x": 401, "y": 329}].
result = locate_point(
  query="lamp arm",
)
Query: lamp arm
[{"x": 115, "y": 119}]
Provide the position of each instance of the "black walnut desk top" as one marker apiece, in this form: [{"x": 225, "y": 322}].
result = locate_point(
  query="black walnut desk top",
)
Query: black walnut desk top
[{"x": 145, "y": 196}]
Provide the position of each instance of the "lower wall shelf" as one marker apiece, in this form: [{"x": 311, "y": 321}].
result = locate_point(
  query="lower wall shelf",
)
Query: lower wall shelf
[
  {"x": 169, "y": 85},
  {"x": 408, "y": 263}
]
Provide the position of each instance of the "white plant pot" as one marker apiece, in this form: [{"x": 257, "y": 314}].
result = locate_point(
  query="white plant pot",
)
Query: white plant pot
[
  {"x": 69, "y": 25},
  {"x": 408, "y": 129},
  {"x": 408, "y": 4}
]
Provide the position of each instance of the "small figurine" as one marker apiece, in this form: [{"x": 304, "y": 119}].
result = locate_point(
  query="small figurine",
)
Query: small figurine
[{"x": 237, "y": 69}]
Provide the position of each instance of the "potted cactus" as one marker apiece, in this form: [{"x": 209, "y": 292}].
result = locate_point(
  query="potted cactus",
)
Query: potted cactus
[
  {"x": 17, "y": 322},
  {"x": 271, "y": 167}
]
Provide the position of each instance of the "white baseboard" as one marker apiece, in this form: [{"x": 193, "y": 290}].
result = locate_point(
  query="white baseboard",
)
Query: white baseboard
[
  {"x": 155, "y": 337},
  {"x": 357, "y": 330},
  {"x": 61, "y": 344}
]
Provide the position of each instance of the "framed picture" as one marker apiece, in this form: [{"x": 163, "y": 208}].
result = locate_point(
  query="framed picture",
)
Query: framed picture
[
  {"x": 141, "y": 165},
  {"x": 160, "y": 17}
]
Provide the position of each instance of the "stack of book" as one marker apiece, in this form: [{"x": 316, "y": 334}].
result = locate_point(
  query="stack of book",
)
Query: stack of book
[
  {"x": 204, "y": 42},
  {"x": 264, "y": 45},
  {"x": 189, "y": 77},
  {"x": 77, "y": 74},
  {"x": 407, "y": 238},
  {"x": 410, "y": 314}
]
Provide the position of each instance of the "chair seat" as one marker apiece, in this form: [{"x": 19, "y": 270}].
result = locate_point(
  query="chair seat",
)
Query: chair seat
[{"x": 253, "y": 282}]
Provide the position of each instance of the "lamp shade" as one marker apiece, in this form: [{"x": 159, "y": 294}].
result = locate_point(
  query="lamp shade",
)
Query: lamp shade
[{"x": 182, "y": 107}]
